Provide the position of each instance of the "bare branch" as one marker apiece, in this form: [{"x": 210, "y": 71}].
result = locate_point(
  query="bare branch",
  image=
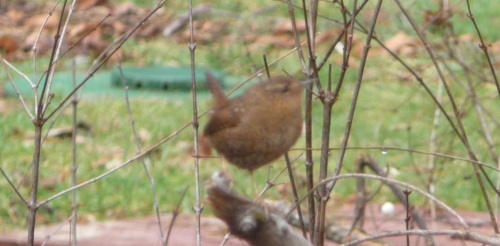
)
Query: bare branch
[
  {"x": 464, "y": 235},
  {"x": 14, "y": 187},
  {"x": 5, "y": 64}
]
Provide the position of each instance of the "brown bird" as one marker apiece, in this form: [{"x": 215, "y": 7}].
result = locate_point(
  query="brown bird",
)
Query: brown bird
[{"x": 258, "y": 126}]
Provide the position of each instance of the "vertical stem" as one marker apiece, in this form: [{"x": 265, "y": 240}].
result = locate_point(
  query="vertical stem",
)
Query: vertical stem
[
  {"x": 323, "y": 194},
  {"x": 74, "y": 167},
  {"x": 328, "y": 99},
  {"x": 192, "y": 47},
  {"x": 357, "y": 89},
  {"x": 483, "y": 46},
  {"x": 33, "y": 207},
  {"x": 309, "y": 161},
  {"x": 407, "y": 218},
  {"x": 143, "y": 161},
  {"x": 295, "y": 194},
  {"x": 432, "y": 159}
]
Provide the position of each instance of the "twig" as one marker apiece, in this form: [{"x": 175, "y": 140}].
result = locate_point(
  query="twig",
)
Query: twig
[
  {"x": 309, "y": 163},
  {"x": 483, "y": 47},
  {"x": 185, "y": 18},
  {"x": 312, "y": 69},
  {"x": 462, "y": 222},
  {"x": 291, "y": 13},
  {"x": 175, "y": 213},
  {"x": 407, "y": 217},
  {"x": 14, "y": 187},
  {"x": 270, "y": 183},
  {"x": 58, "y": 49},
  {"x": 198, "y": 208},
  {"x": 328, "y": 98},
  {"x": 47, "y": 238},
  {"x": 80, "y": 40},
  {"x": 105, "y": 174},
  {"x": 5, "y": 64},
  {"x": 106, "y": 54},
  {"x": 464, "y": 235},
  {"x": 35, "y": 58},
  {"x": 462, "y": 134},
  {"x": 43, "y": 101},
  {"x": 432, "y": 147},
  {"x": 74, "y": 167},
  {"x": 346, "y": 25},
  {"x": 356, "y": 92},
  {"x": 33, "y": 205},
  {"x": 138, "y": 152},
  {"x": 415, "y": 215},
  {"x": 295, "y": 194}
]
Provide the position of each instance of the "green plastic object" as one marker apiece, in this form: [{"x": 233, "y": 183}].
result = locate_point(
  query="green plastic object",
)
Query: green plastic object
[
  {"x": 161, "y": 78},
  {"x": 143, "y": 82}
]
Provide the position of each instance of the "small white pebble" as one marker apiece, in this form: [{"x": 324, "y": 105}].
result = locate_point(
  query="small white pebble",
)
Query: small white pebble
[{"x": 387, "y": 208}]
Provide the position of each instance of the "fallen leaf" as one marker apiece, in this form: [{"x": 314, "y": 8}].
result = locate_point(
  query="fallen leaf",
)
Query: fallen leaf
[
  {"x": 35, "y": 22},
  {"x": 402, "y": 44},
  {"x": 8, "y": 44},
  {"x": 87, "y": 4},
  {"x": 286, "y": 27}
]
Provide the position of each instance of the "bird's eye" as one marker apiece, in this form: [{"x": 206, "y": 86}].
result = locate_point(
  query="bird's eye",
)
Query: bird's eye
[{"x": 284, "y": 89}]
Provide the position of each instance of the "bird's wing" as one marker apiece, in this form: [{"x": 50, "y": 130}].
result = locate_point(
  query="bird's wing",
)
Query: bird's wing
[{"x": 221, "y": 120}]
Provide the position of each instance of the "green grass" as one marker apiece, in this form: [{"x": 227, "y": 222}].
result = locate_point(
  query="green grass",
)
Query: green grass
[{"x": 390, "y": 112}]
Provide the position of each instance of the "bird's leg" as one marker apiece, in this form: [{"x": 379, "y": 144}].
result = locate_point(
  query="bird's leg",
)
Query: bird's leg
[{"x": 255, "y": 192}]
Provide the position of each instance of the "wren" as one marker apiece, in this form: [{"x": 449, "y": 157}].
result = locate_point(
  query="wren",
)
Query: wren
[{"x": 257, "y": 127}]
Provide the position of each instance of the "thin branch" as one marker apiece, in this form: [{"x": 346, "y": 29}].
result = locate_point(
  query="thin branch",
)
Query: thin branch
[
  {"x": 328, "y": 99},
  {"x": 291, "y": 13},
  {"x": 35, "y": 58},
  {"x": 483, "y": 46},
  {"x": 138, "y": 152},
  {"x": 463, "y": 235},
  {"x": 270, "y": 183},
  {"x": 432, "y": 147},
  {"x": 41, "y": 103},
  {"x": 47, "y": 238},
  {"x": 131, "y": 160},
  {"x": 198, "y": 208},
  {"x": 5, "y": 64},
  {"x": 385, "y": 148},
  {"x": 389, "y": 181},
  {"x": 295, "y": 194},
  {"x": 106, "y": 54},
  {"x": 58, "y": 49},
  {"x": 356, "y": 92},
  {"x": 14, "y": 187},
  {"x": 175, "y": 213},
  {"x": 74, "y": 166},
  {"x": 462, "y": 134}
]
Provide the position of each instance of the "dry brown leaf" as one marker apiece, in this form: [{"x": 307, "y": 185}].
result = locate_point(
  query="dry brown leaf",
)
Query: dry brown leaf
[
  {"x": 45, "y": 42},
  {"x": 15, "y": 16},
  {"x": 402, "y": 44},
  {"x": 125, "y": 8},
  {"x": 495, "y": 47},
  {"x": 35, "y": 22},
  {"x": 87, "y": 4},
  {"x": 8, "y": 44},
  {"x": 328, "y": 36},
  {"x": 285, "y": 26},
  {"x": 278, "y": 41},
  {"x": 467, "y": 38}
]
